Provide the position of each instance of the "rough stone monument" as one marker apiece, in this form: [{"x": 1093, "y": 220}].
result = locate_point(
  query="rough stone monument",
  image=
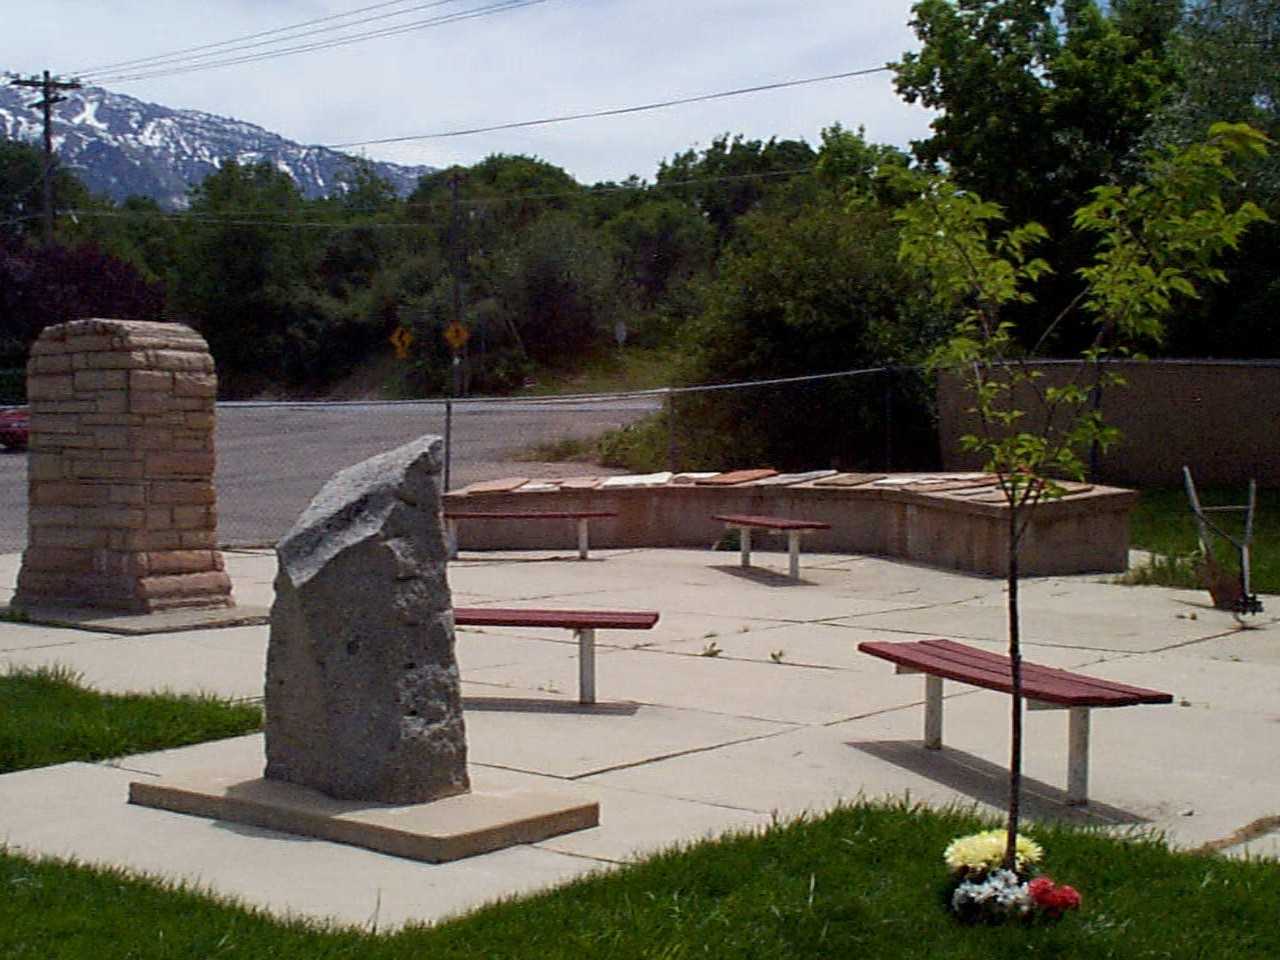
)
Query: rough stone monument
[
  {"x": 365, "y": 742},
  {"x": 362, "y": 694},
  {"x": 122, "y": 513}
]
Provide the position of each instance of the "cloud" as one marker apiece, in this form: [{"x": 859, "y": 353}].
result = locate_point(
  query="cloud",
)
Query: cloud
[{"x": 556, "y": 57}]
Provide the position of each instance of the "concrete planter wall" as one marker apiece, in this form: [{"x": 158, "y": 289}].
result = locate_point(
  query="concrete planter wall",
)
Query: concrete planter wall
[{"x": 1086, "y": 532}]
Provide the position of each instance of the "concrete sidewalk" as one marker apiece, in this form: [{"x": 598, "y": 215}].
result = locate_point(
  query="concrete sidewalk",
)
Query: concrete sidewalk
[{"x": 787, "y": 717}]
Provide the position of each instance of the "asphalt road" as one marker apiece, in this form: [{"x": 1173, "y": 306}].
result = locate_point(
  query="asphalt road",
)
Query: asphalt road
[{"x": 273, "y": 459}]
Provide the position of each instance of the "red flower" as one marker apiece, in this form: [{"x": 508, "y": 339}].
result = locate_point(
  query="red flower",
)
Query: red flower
[
  {"x": 1052, "y": 898},
  {"x": 1066, "y": 898},
  {"x": 1041, "y": 888}
]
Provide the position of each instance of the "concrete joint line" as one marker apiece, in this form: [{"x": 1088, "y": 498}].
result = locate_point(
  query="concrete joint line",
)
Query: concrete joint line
[
  {"x": 682, "y": 753},
  {"x": 905, "y": 706},
  {"x": 924, "y": 606},
  {"x": 113, "y": 765},
  {"x": 1215, "y": 636},
  {"x": 43, "y": 646},
  {"x": 713, "y": 804},
  {"x": 581, "y": 856},
  {"x": 730, "y": 659}
]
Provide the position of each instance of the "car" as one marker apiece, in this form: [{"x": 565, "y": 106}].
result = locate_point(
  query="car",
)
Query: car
[{"x": 15, "y": 427}]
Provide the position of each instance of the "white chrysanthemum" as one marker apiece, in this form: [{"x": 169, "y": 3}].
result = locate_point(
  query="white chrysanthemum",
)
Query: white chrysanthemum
[{"x": 1000, "y": 892}]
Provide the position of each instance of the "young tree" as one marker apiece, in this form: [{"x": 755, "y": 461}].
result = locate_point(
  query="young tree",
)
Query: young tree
[{"x": 1154, "y": 243}]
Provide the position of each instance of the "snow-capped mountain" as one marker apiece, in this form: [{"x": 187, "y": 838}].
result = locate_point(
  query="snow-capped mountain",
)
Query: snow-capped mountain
[{"x": 120, "y": 146}]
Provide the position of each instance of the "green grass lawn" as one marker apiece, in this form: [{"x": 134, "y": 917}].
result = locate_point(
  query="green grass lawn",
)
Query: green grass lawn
[
  {"x": 1163, "y": 523},
  {"x": 863, "y": 881},
  {"x": 866, "y": 880},
  {"x": 48, "y": 717}
]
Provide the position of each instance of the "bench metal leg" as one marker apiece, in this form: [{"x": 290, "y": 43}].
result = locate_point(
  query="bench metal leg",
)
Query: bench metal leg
[
  {"x": 582, "y": 540},
  {"x": 1078, "y": 755},
  {"x": 451, "y": 538},
  {"x": 744, "y": 545},
  {"x": 793, "y": 549},
  {"x": 586, "y": 664},
  {"x": 932, "y": 712}
]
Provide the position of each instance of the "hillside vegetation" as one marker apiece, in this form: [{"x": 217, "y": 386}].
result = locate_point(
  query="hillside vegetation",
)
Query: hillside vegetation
[{"x": 746, "y": 259}]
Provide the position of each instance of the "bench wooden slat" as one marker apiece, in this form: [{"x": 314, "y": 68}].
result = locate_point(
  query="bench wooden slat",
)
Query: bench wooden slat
[
  {"x": 1050, "y": 684},
  {"x": 565, "y": 619},
  {"x": 771, "y": 523},
  {"x": 965, "y": 664},
  {"x": 1042, "y": 675}
]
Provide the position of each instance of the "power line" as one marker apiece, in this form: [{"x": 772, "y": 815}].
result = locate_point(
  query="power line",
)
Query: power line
[
  {"x": 192, "y": 61},
  {"x": 137, "y": 62},
  {"x": 613, "y": 112},
  {"x": 502, "y": 7}
]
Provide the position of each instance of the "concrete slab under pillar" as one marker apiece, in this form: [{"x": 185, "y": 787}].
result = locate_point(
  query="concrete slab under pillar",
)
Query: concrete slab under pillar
[
  {"x": 435, "y": 832},
  {"x": 98, "y": 620}
]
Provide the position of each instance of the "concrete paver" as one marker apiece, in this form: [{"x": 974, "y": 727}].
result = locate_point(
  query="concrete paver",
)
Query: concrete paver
[
  {"x": 80, "y": 811},
  {"x": 684, "y": 746},
  {"x": 227, "y": 662}
]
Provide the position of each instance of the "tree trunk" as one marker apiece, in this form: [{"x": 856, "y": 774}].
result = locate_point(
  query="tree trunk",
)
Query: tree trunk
[{"x": 1015, "y": 727}]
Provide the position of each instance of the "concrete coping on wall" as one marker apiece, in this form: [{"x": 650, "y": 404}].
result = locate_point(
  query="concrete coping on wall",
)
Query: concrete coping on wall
[{"x": 953, "y": 520}]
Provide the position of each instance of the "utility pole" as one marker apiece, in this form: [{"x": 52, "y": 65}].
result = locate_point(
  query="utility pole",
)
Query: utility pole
[
  {"x": 455, "y": 248},
  {"x": 456, "y": 332},
  {"x": 50, "y": 88}
]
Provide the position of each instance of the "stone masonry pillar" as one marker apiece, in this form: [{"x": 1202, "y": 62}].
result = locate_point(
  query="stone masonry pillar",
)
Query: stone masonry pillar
[{"x": 122, "y": 512}]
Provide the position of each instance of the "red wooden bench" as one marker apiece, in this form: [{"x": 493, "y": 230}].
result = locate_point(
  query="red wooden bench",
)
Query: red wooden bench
[
  {"x": 1045, "y": 688},
  {"x": 744, "y": 523},
  {"x": 582, "y": 516},
  {"x": 583, "y": 623}
]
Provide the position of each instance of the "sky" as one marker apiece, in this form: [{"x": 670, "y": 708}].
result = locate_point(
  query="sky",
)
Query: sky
[{"x": 544, "y": 58}]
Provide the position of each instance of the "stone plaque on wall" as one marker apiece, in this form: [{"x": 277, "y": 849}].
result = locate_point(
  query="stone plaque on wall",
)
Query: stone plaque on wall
[{"x": 122, "y": 511}]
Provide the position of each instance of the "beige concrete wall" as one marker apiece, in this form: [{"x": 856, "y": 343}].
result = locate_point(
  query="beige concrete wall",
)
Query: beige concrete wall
[
  {"x": 1220, "y": 418},
  {"x": 122, "y": 512},
  {"x": 1088, "y": 532}
]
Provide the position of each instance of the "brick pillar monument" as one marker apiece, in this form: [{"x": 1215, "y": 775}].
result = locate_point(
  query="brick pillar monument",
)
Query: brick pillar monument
[{"x": 122, "y": 512}]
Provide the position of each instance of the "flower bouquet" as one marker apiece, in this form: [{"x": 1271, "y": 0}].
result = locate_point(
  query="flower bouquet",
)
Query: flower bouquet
[{"x": 983, "y": 890}]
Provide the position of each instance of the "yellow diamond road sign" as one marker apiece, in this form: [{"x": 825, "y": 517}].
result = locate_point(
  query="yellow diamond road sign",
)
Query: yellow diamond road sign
[
  {"x": 456, "y": 335},
  {"x": 401, "y": 340}
]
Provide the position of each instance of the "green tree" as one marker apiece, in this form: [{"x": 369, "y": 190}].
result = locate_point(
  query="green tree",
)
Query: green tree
[
  {"x": 662, "y": 244},
  {"x": 556, "y": 285},
  {"x": 363, "y": 192},
  {"x": 1039, "y": 101},
  {"x": 796, "y": 294},
  {"x": 137, "y": 231},
  {"x": 1229, "y": 58},
  {"x": 22, "y": 190},
  {"x": 854, "y": 168},
  {"x": 501, "y": 195},
  {"x": 733, "y": 176},
  {"x": 1155, "y": 243},
  {"x": 245, "y": 279}
]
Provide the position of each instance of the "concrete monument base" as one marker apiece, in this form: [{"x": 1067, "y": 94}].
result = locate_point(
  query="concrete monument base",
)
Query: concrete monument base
[
  {"x": 435, "y": 832},
  {"x": 173, "y": 620}
]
